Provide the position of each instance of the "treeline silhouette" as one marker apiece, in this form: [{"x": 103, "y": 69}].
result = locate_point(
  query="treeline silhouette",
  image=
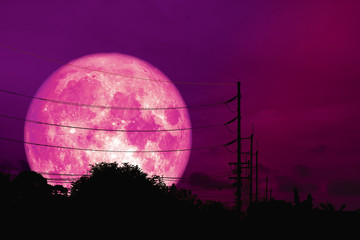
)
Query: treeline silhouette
[
  {"x": 125, "y": 192},
  {"x": 108, "y": 192}
]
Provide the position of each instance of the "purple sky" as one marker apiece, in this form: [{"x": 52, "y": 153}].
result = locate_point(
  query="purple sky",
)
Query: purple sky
[{"x": 298, "y": 62}]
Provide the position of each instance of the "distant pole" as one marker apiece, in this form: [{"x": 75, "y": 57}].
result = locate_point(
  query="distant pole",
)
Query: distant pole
[
  {"x": 257, "y": 174},
  {"x": 251, "y": 166},
  {"x": 238, "y": 164},
  {"x": 266, "y": 189}
]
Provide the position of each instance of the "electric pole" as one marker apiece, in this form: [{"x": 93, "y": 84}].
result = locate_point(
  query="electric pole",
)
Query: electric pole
[
  {"x": 257, "y": 174},
  {"x": 238, "y": 165},
  {"x": 251, "y": 167},
  {"x": 244, "y": 167},
  {"x": 266, "y": 189}
]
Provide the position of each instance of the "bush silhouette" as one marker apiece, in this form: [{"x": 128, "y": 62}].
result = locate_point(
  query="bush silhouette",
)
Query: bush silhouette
[
  {"x": 112, "y": 190},
  {"x": 30, "y": 192},
  {"x": 122, "y": 189}
]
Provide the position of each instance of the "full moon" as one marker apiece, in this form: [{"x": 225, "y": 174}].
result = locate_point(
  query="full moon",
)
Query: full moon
[{"x": 99, "y": 108}]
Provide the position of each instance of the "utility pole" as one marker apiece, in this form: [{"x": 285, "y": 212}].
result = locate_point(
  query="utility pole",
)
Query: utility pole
[
  {"x": 238, "y": 165},
  {"x": 244, "y": 167},
  {"x": 266, "y": 189},
  {"x": 251, "y": 167},
  {"x": 257, "y": 174}
]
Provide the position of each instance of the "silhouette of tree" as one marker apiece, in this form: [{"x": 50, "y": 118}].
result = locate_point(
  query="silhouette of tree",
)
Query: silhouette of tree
[
  {"x": 327, "y": 207},
  {"x": 31, "y": 192},
  {"x": 309, "y": 201},
  {"x": 183, "y": 195},
  {"x": 59, "y": 190},
  {"x": 110, "y": 189},
  {"x": 182, "y": 201},
  {"x": 109, "y": 179},
  {"x": 125, "y": 189},
  {"x": 296, "y": 196},
  {"x": 342, "y": 207},
  {"x": 30, "y": 185},
  {"x": 5, "y": 188}
]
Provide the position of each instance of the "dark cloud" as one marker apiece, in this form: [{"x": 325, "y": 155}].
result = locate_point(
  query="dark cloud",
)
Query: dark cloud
[
  {"x": 319, "y": 149},
  {"x": 287, "y": 184},
  {"x": 302, "y": 170},
  {"x": 264, "y": 169},
  {"x": 344, "y": 187},
  {"x": 202, "y": 180}
]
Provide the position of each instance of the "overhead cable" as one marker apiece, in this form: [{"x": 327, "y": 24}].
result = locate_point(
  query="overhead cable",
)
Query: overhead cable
[
  {"x": 113, "y": 130},
  {"x": 231, "y": 99},
  {"x": 110, "y": 107},
  {"x": 108, "y": 150},
  {"x": 112, "y": 73}
]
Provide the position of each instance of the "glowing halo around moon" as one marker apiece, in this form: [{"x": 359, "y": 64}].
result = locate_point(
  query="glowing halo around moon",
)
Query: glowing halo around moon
[{"x": 107, "y": 79}]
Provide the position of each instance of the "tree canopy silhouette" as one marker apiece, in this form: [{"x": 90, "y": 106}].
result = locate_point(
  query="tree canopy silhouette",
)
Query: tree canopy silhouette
[
  {"x": 30, "y": 191},
  {"x": 118, "y": 182},
  {"x": 122, "y": 189},
  {"x": 110, "y": 189}
]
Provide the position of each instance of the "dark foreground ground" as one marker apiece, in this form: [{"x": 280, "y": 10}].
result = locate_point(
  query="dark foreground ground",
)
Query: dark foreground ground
[{"x": 119, "y": 196}]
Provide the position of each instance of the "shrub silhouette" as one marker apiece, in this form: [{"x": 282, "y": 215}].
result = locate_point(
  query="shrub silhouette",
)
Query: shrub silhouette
[
  {"x": 111, "y": 190},
  {"x": 6, "y": 192},
  {"x": 114, "y": 189},
  {"x": 30, "y": 192}
]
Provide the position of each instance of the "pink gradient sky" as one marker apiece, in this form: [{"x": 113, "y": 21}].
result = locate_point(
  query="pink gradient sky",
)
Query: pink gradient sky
[{"x": 298, "y": 62}]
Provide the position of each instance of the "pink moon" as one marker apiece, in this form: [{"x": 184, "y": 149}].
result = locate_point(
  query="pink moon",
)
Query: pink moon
[{"x": 115, "y": 80}]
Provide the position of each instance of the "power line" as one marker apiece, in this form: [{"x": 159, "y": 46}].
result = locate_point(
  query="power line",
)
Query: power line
[
  {"x": 62, "y": 179},
  {"x": 114, "y": 130},
  {"x": 112, "y": 73},
  {"x": 220, "y": 174},
  {"x": 71, "y": 176},
  {"x": 114, "y": 151},
  {"x": 63, "y": 174},
  {"x": 112, "y": 107}
]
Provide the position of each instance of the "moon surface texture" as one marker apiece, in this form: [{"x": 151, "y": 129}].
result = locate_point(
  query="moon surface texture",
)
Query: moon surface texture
[{"x": 111, "y": 80}]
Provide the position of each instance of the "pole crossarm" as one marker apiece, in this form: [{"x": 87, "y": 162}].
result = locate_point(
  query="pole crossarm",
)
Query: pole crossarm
[{"x": 244, "y": 165}]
